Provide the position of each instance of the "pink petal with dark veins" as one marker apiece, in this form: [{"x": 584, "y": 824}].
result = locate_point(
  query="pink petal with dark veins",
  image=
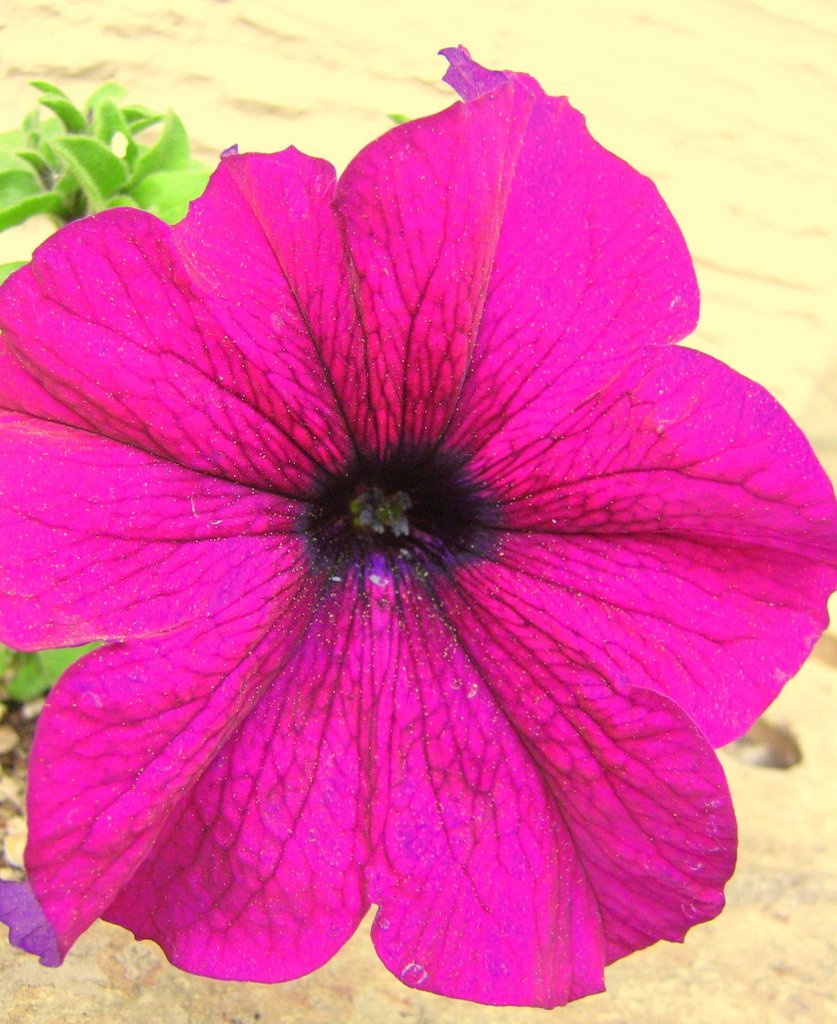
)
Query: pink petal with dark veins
[
  {"x": 422, "y": 209},
  {"x": 686, "y": 530},
  {"x": 637, "y": 786},
  {"x": 130, "y": 729},
  {"x": 589, "y": 267},
  {"x": 264, "y": 244},
  {"x": 480, "y": 890},
  {"x": 534, "y": 822},
  {"x": 258, "y": 874},
  {"x": 106, "y": 331},
  {"x": 107, "y": 541},
  {"x": 358, "y": 779}
]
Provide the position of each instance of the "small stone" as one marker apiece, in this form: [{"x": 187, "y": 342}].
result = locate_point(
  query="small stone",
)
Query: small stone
[
  {"x": 15, "y": 842},
  {"x": 767, "y": 746},
  {"x": 11, "y": 790},
  {"x": 8, "y": 739},
  {"x": 32, "y": 708}
]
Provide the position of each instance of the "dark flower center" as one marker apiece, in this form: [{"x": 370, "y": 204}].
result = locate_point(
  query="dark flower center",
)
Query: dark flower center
[
  {"x": 373, "y": 510},
  {"x": 419, "y": 510}
]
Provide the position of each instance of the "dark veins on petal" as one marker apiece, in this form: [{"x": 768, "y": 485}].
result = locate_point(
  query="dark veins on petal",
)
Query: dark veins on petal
[{"x": 407, "y": 512}]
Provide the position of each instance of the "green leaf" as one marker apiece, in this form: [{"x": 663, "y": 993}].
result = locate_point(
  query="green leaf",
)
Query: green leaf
[
  {"x": 167, "y": 194},
  {"x": 107, "y": 120},
  {"x": 32, "y": 128},
  {"x": 170, "y": 152},
  {"x": 10, "y": 143},
  {"x": 37, "y": 163},
  {"x": 16, "y": 163},
  {"x": 17, "y": 213},
  {"x": 123, "y": 199},
  {"x": 398, "y": 118},
  {"x": 141, "y": 125},
  {"x": 136, "y": 115},
  {"x": 6, "y": 656},
  {"x": 49, "y": 89},
  {"x": 39, "y": 138},
  {"x": 37, "y": 673},
  {"x": 66, "y": 185},
  {"x": 5, "y": 270},
  {"x": 72, "y": 119},
  {"x": 16, "y": 184},
  {"x": 110, "y": 125},
  {"x": 108, "y": 92},
  {"x": 26, "y": 680},
  {"x": 100, "y": 174}
]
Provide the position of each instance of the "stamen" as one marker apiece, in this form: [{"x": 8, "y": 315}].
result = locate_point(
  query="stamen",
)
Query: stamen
[{"x": 374, "y": 510}]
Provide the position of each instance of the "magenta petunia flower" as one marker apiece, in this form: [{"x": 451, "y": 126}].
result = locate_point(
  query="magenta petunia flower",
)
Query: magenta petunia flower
[{"x": 429, "y": 572}]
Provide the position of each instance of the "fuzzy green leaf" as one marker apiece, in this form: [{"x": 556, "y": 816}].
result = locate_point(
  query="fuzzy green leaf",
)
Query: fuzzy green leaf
[
  {"x": 17, "y": 213},
  {"x": 170, "y": 152},
  {"x": 108, "y": 92},
  {"x": 140, "y": 117},
  {"x": 49, "y": 89},
  {"x": 6, "y": 656},
  {"x": 110, "y": 127},
  {"x": 10, "y": 143},
  {"x": 107, "y": 120},
  {"x": 123, "y": 199},
  {"x": 36, "y": 162},
  {"x": 5, "y": 270},
  {"x": 17, "y": 183},
  {"x": 167, "y": 194},
  {"x": 72, "y": 119},
  {"x": 99, "y": 173}
]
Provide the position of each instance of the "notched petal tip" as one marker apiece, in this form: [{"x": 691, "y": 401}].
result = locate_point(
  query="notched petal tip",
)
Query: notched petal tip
[
  {"x": 466, "y": 77},
  {"x": 29, "y": 928}
]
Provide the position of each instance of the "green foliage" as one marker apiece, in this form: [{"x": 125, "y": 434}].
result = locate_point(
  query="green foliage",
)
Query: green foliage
[
  {"x": 73, "y": 161},
  {"x": 28, "y": 675},
  {"x": 169, "y": 153},
  {"x": 398, "y": 118},
  {"x": 10, "y": 268},
  {"x": 167, "y": 193}
]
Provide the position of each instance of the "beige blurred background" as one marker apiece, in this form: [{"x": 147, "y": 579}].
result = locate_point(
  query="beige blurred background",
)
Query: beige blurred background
[{"x": 731, "y": 106}]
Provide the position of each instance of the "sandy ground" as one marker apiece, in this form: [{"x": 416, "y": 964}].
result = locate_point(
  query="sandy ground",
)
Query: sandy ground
[{"x": 730, "y": 106}]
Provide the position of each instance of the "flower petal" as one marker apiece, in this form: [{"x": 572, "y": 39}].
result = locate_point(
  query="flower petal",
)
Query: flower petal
[
  {"x": 680, "y": 521},
  {"x": 107, "y": 541},
  {"x": 590, "y": 266},
  {"x": 639, "y": 789},
  {"x": 481, "y": 893},
  {"x": 263, "y": 241},
  {"x": 130, "y": 728},
  {"x": 422, "y": 208},
  {"x": 106, "y": 331},
  {"x": 333, "y": 794},
  {"x": 28, "y": 927},
  {"x": 469, "y": 79},
  {"x": 258, "y": 874}
]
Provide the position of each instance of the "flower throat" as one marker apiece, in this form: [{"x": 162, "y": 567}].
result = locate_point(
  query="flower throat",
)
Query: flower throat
[
  {"x": 373, "y": 510},
  {"x": 419, "y": 510}
]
